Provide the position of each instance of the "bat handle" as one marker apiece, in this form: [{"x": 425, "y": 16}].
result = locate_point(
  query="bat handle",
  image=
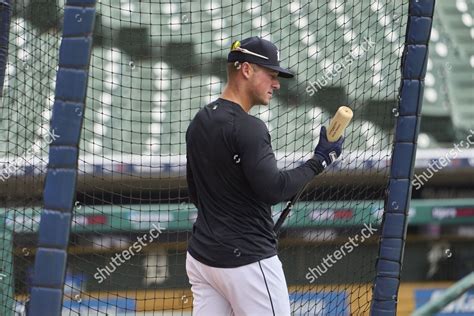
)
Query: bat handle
[
  {"x": 286, "y": 211},
  {"x": 282, "y": 217}
]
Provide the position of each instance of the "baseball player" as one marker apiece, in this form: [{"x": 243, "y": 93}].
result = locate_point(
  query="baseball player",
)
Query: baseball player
[{"x": 233, "y": 180}]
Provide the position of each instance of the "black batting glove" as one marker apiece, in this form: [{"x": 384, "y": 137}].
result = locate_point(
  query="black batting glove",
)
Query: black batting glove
[{"x": 326, "y": 150}]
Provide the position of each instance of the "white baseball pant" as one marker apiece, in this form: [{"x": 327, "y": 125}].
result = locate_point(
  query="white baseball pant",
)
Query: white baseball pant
[{"x": 256, "y": 289}]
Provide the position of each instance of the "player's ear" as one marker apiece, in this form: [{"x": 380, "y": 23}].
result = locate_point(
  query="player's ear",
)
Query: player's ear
[{"x": 246, "y": 69}]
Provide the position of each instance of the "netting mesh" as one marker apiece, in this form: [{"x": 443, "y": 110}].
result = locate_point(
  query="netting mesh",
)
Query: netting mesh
[
  {"x": 26, "y": 100},
  {"x": 153, "y": 65}
]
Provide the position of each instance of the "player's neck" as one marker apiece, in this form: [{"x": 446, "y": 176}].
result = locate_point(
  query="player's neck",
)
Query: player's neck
[{"x": 233, "y": 94}]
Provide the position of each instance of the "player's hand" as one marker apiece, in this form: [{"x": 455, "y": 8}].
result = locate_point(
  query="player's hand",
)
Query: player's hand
[{"x": 326, "y": 150}]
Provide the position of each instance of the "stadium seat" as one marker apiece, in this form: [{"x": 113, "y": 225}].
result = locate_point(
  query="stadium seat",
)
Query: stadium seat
[
  {"x": 371, "y": 137},
  {"x": 457, "y": 16},
  {"x": 460, "y": 83},
  {"x": 436, "y": 101}
]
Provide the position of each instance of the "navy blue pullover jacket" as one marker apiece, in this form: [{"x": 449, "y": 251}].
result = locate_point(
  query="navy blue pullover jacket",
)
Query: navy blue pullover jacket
[{"x": 233, "y": 180}]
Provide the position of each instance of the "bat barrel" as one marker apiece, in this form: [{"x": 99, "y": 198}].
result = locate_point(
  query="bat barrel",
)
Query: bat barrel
[{"x": 339, "y": 123}]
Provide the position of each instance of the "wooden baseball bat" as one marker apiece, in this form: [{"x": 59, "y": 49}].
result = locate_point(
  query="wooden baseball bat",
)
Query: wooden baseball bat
[{"x": 335, "y": 130}]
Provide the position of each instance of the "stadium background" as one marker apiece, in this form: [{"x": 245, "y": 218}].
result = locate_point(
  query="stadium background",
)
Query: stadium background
[{"x": 154, "y": 64}]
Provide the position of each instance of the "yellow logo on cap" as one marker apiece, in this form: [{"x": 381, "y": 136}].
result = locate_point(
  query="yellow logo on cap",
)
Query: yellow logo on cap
[{"x": 235, "y": 45}]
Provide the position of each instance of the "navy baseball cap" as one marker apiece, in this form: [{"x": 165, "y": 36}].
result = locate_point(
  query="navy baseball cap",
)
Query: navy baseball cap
[{"x": 258, "y": 51}]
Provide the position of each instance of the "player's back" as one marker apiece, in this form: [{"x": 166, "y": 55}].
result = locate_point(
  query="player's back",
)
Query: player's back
[{"x": 233, "y": 226}]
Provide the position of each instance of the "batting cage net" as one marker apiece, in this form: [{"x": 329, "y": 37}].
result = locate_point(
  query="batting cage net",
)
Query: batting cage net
[
  {"x": 154, "y": 64},
  {"x": 30, "y": 37}
]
